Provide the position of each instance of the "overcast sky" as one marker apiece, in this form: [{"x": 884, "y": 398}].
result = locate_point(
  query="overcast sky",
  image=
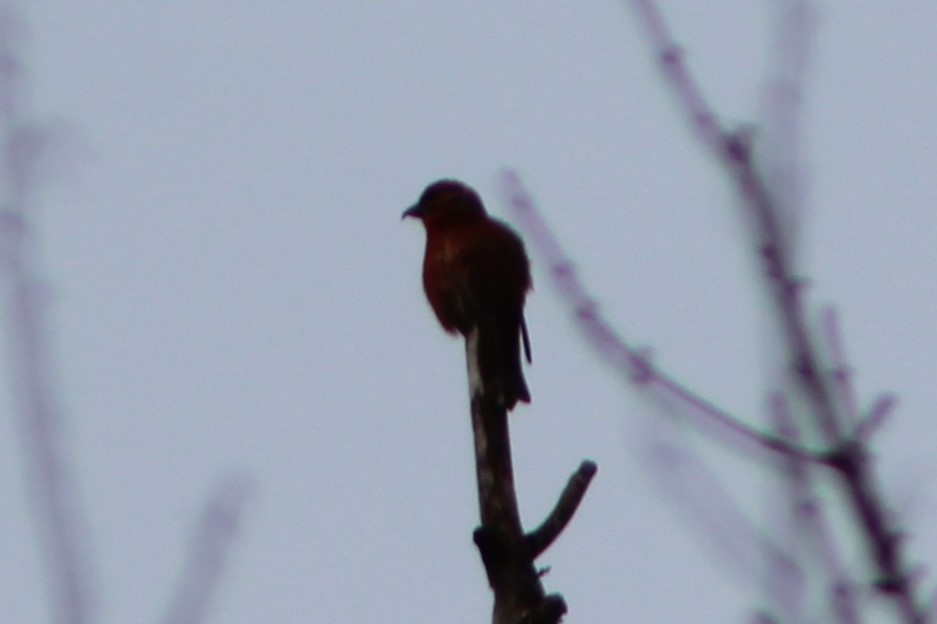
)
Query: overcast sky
[{"x": 232, "y": 290}]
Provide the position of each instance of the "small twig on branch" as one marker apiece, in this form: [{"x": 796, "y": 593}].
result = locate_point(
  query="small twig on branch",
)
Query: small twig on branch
[
  {"x": 722, "y": 523},
  {"x": 669, "y": 56},
  {"x": 782, "y": 104},
  {"x": 544, "y": 535},
  {"x": 812, "y": 525},
  {"x": 211, "y": 544},
  {"x": 877, "y": 416},
  {"x": 787, "y": 516},
  {"x": 842, "y": 373}
]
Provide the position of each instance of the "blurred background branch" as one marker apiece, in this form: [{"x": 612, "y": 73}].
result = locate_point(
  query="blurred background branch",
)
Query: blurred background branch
[
  {"x": 51, "y": 482},
  {"x": 812, "y": 376},
  {"x": 208, "y": 551}
]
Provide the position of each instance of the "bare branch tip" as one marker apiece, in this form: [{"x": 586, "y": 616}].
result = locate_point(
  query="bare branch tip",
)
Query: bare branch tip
[
  {"x": 567, "y": 504},
  {"x": 876, "y": 417},
  {"x": 588, "y": 468}
]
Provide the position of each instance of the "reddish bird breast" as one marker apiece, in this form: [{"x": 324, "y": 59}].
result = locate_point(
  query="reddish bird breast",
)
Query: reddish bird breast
[{"x": 476, "y": 275}]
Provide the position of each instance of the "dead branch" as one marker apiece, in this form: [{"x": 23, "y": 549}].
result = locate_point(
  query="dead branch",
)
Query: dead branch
[
  {"x": 540, "y": 539},
  {"x": 506, "y": 552}
]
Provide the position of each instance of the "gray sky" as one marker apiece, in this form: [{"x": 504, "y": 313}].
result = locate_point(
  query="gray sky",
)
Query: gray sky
[{"x": 232, "y": 289}]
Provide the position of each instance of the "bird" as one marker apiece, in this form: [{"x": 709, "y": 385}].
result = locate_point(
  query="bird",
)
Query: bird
[{"x": 476, "y": 275}]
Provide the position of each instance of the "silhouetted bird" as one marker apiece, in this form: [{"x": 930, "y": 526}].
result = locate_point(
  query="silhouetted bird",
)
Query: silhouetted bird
[{"x": 476, "y": 275}]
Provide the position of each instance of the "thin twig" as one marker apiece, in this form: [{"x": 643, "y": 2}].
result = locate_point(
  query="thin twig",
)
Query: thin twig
[
  {"x": 540, "y": 539},
  {"x": 812, "y": 524},
  {"x": 625, "y": 359},
  {"x": 782, "y": 102},
  {"x": 703, "y": 497},
  {"x": 732, "y": 149},
  {"x": 877, "y": 416},
  {"x": 786, "y": 517},
  {"x": 210, "y": 547},
  {"x": 842, "y": 373}
]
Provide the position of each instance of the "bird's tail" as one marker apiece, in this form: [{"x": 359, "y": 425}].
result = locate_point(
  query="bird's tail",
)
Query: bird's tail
[{"x": 499, "y": 350}]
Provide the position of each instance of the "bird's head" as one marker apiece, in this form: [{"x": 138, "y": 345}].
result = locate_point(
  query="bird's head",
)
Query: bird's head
[{"x": 446, "y": 202}]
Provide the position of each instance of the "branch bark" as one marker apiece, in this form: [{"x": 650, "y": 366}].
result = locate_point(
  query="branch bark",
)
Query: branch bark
[{"x": 506, "y": 552}]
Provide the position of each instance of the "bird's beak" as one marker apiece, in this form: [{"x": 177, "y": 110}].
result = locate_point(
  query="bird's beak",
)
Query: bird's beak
[{"x": 415, "y": 211}]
